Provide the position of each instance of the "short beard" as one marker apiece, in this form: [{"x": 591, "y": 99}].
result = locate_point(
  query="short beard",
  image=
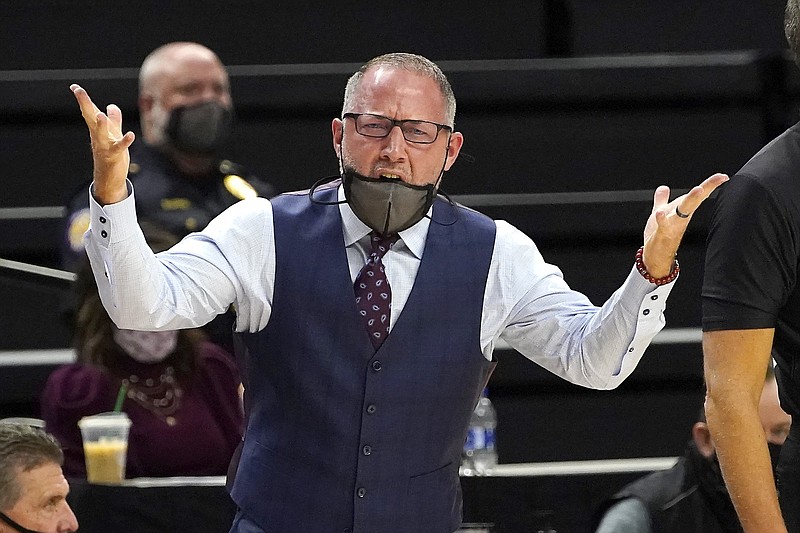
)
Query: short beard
[{"x": 346, "y": 162}]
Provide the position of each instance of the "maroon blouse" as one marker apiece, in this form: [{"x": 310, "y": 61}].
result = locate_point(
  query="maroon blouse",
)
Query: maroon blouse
[{"x": 198, "y": 439}]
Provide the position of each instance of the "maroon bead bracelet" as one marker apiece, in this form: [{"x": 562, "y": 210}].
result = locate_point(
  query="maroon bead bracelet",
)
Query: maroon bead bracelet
[{"x": 669, "y": 278}]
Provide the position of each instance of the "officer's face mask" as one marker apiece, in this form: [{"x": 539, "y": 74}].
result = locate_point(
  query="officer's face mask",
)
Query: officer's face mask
[
  {"x": 201, "y": 128},
  {"x": 386, "y": 205}
]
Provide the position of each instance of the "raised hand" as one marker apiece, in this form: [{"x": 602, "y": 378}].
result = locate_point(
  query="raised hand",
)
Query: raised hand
[
  {"x": 109, "y": 148},
  {"x": 668, "y": 222}
]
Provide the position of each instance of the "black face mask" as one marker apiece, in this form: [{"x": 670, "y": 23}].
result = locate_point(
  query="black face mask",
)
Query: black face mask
[
  {"x": 774, "y": 455},
  {"x": 387, "y": 205},
  {"x": 712, "y": 486},
  {"x": 14, "y": 525},
  {"x": 200, "y": 129}
]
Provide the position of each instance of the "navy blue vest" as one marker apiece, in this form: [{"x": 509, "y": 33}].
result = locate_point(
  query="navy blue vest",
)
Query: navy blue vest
[{"x": 341, "y": 438}]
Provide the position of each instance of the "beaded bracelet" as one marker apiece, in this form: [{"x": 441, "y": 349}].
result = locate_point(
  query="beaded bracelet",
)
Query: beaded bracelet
[{"x": 669, "y": 278}]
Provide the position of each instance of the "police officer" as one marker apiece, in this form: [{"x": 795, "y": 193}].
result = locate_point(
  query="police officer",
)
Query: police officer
[{"x": 186, "y": 116}]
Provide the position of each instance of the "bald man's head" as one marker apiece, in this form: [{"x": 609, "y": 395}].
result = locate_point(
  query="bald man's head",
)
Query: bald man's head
[
  {"x": 180, "y": 74},
  {"x": 165, "y": 62}
]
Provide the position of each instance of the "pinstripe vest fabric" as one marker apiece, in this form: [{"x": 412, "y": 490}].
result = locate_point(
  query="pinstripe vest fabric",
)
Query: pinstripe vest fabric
[{"x": 341, "y": 437}]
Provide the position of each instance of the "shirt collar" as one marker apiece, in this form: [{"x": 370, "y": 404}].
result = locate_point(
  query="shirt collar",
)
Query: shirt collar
[{"x": 354, "y": 230}]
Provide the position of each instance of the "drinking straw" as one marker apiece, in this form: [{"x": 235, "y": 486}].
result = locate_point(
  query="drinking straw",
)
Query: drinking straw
[{"x": 120, "y": 398}]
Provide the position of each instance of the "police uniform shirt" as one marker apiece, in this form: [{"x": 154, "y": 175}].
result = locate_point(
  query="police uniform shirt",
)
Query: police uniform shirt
[{"x": 168, "y": 198}]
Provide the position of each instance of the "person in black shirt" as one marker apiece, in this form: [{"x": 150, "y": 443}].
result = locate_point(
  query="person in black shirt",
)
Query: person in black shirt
[{"x": 751, "y": 312}]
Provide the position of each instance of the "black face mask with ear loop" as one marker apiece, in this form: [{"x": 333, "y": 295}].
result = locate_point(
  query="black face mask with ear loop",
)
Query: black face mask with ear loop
[
  {"x": 14, "y": 525},
  {"x": 774, "y": 454},
  {"x": 387, "y": 205},
  {"x": 202, "y": 128},
  {"x": 329, "y": 181}
]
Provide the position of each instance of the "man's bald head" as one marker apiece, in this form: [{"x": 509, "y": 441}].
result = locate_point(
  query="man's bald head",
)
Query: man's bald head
[
  {"x": 163, "y": 62},
  {"x": 175, "y": 75}
]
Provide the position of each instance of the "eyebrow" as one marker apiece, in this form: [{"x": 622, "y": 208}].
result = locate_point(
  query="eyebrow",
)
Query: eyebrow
[{"x": 55, "y": 498}]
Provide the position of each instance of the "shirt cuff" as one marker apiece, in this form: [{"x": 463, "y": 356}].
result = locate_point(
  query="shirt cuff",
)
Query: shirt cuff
[
  {"x": 648, "y": 301},
  {"x": 112, "y": 223},
  {"x": 637, "y": 290}
]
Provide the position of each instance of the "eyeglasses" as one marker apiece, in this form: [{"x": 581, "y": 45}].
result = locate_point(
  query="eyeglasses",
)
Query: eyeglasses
[{"x": 414, "y": 131}]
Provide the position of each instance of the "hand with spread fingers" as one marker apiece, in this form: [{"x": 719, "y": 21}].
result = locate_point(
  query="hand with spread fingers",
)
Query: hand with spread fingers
[
  {"x": 109, "y": 148},
  {"x": 668, "y": 222}
]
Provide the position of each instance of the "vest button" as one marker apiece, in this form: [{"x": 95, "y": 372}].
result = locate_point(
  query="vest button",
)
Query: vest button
[
  {"x": 376, "y": 366},
  {"x": 361, "y": 492},
  {"x": 646, "y": 312},
  {"x": 367, "y": 449},
  {"x": 371, "y": 409}
]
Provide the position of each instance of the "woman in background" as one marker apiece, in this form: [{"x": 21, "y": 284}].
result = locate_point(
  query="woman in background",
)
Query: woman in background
[{"x": 180, "y": 392}]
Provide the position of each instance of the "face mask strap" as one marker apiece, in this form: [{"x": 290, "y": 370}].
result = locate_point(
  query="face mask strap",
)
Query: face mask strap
[
  {"x": 323, "y": 181},
  {"x": 14, "y": 525},
  {"x": 319, "y": 183},
  {"x": 455, "y": 207}
]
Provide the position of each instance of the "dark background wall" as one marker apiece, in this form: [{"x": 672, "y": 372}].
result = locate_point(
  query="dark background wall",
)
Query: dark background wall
[{"x": 574, "y": 110}]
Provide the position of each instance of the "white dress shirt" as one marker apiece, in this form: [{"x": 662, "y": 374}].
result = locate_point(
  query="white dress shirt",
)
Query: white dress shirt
[{"x": 526, "y": 302}]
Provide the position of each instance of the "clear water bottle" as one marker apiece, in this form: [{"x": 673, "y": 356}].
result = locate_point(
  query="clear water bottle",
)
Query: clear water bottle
[{"x": 480, "y": 453}]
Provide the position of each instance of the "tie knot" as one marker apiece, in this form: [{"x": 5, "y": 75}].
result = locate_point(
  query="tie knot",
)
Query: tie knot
[{"x": 381, "y": 243}]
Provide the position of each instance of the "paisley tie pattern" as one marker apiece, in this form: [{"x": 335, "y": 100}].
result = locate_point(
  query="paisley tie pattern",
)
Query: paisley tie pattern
[{"x": 373, "y": 294}]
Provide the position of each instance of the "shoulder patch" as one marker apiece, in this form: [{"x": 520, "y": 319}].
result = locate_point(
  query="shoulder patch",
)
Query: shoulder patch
[
  {"x": 78, "y": 225},
  {"x": 238, "y": 187},
  {"x": 175, "y": 204}
]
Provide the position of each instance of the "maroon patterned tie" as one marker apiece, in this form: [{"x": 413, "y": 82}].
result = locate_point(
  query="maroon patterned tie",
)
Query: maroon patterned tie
[{"x": 373, "y": 294}]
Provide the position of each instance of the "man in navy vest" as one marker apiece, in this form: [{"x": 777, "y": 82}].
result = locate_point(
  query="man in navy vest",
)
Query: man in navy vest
[{"x": 334, "y": 387}]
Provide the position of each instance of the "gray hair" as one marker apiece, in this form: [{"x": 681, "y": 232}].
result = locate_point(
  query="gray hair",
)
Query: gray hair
[
  {"x": 23, "y": 448},
  {"x": 791, "y": 28},
  {"x": 413, "y": 63}
]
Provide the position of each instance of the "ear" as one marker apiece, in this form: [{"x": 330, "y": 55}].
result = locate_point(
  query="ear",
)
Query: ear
[
  {"x": 453, "y": 149},
  {"x": 337, "y": 129},
  {"x": 702, "y": 439},
  {"x": 146, "y": 103}
]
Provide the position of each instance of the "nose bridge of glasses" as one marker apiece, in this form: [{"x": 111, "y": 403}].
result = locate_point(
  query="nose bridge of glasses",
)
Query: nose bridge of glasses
[
  {"x": 389, "y": 129},
  {"x": 390, "y": 124},
  {"x": 395, "y": 140}
]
